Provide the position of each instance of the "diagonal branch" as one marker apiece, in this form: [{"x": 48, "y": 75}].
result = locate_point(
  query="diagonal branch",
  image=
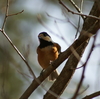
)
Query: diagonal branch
[
  {"x": 19, "y": 53},
  {"x": 85, "y": 35},
  {"x": 67, "y": 73},
  {"x": 63, "y": 56},
  {"x": 77, "y": 8},
  {"x": 62, "y": 81},
  {"x": 92, "y": 95}
]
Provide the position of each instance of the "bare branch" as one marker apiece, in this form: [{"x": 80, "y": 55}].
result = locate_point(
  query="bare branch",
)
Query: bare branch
[
  {"x": 63, "y": 56},
  {"x": 63, "y": 80},
  {"x": 10, "y": 41},
  {"x": 98, "y": 45},
  {"x": 65, "y": 76},
  {"x": 62, "y": 20},
  {"x": 16, "y": 13},
  {"x": 60, "y": 33},
  {"x": 81, "y": 5},
  {"x": 77, "y": 67},
  {"x": 6, "y": 15},
  {"x": 39, "y": 19},
  {"x": 77, "y": 8},
  {"x": 90, "y": 16},
  {"x": 83, "y": 90},
  {"x": 92, "y": 95}
]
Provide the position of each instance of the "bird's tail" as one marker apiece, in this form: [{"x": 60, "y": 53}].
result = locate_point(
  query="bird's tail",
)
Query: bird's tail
[{"x": 53, "y": 75}]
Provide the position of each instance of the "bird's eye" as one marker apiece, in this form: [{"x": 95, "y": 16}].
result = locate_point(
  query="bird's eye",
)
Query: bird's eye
[{"x": 45, "y": 34}]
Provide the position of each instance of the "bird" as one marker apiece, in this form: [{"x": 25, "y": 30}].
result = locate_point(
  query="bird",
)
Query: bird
[{"x": 47, "y": 52}]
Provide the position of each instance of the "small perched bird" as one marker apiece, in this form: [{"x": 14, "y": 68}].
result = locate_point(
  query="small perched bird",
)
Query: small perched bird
[{"x": 48, "y": 51}]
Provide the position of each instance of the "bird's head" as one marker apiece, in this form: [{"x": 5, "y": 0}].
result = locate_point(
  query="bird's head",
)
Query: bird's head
[{"x": 44, "y": 36}]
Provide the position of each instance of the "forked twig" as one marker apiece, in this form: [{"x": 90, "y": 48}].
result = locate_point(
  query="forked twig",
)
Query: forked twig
[
  {"x": 63, "y": 20},
  {"x": 77, "y": 8},
  {"x": 6, "y": 15},
  {"x": 90, "y": 16},
  {"x": 16, "y": 13},
  {"x": 10, "y": 41}
]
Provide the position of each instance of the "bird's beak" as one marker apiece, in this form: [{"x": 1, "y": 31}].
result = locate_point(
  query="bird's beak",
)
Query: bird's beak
[{"x": 39, "y": 37}]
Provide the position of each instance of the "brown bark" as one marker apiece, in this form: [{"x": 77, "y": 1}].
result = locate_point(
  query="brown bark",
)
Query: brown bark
[{"x": 90, "y": 27}]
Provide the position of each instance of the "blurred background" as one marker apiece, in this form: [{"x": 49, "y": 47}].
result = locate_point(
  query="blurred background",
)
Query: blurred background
[{"x": 23, "y": 29}]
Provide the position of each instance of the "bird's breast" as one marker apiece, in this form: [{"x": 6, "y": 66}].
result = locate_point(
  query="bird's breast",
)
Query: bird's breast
[
  {"x": 50, "y": 52},
  {"x": 47, "y": 54}
]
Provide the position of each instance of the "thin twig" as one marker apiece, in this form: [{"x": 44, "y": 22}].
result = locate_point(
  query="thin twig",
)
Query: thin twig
[
  {"x": 64, "y": 21},
  {"x": 16, "y": 13},
  {"x": 10, "y": 41},
  {"x": 97, "y": 45},
  {"x": 83, "y": 90},
  {"x": 91, "y": 96},
  {"x": 6, "y": 15},
  {"x": 90, "y": 16},
  {"x": 77, "y": 8},
  {"x": 39, "y": 19},
  {"x": 61, "y": 33},
  {"x": 71, "y": 48},
  {"x": 81, "y": 5},
  {"x": 77, "y": 67},
  {"x": 24, "y": 74}
]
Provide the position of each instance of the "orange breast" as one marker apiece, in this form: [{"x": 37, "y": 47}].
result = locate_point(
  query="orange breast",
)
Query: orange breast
[{"x": 47, "y": 54}]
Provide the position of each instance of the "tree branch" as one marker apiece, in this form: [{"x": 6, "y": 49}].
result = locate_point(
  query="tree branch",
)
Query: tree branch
[
  {"x": 92, "y": 95},
  {"x": 6, "y": 15},
  {"x": 85, "y": 35},
  {"x": 62, "y": 81},
  {"x": 67, "y": 73},
  {"x": 77, "y": 8},
  {"x": 16, "y": 13},
  {"x": 10, "y": 41},
  {"x": 91, "y": 16},
  {"x": 63, "y": 56}
]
